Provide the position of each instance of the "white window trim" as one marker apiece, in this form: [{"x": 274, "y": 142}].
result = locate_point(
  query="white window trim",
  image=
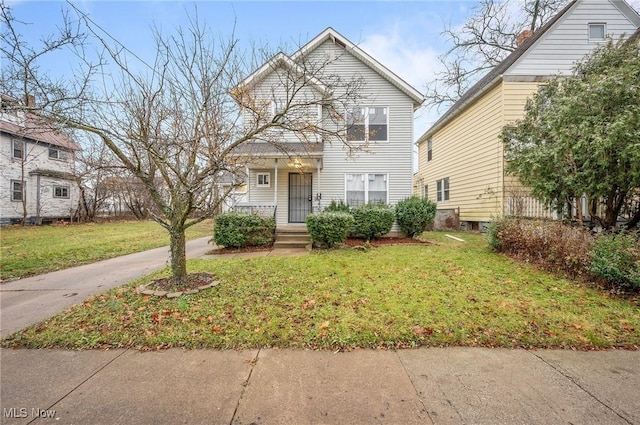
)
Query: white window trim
[
  {"x": 425, "y": 191},
  {"x": 429, "y": 150},
  {"x": 59, "y": 186},
  {"x": 366, "y": 122},
  {"x": 366, "y": 186},
  {"x": 604, "y": 32},
  {"x": 267, "y": 184},
  {"x": 440, "y": 194}
]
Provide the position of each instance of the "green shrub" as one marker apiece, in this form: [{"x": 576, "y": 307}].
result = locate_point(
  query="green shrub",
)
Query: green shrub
[
  {"x": 236, "y": 230},
  {"x": 616, "y": 259},
  {"x": 338, "y": 206},
  {"x": 414, "y": 215},
  {"x": 493, "y": 235},
  {"x": 372, "y": 221},
  {"x": 327, "y": 229}
]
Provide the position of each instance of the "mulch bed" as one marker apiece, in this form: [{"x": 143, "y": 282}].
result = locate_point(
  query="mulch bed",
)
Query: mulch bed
[
  {"x": 383, "y": 242},
  {"x": 193, "y": 281},
  {"x": 232, "y": 250},
  {"x": 349, "y": 243}
]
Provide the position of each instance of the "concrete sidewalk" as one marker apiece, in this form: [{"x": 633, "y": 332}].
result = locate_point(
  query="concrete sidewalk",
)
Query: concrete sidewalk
[
  {"x": 27, "y": 301},
  {"x": 268, "y": 386}
]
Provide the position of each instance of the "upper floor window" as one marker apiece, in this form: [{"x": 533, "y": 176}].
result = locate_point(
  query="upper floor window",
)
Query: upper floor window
[
  {"x": 55, "y": 153},
  {"x": 277, "y": 106},
  {"x": 61, "y": 192},
  {"x": 264, "y": 179},
  {"x": 597, "y": 31},
  {"x": 17, "y": 190},
  {"x": 429, "y": 150},
  {"x": 442, "y": 190},
  {"x": 368, "y": 123},
  {"x": 17, "y": 149},
  {"x": 366, "y": 188}
]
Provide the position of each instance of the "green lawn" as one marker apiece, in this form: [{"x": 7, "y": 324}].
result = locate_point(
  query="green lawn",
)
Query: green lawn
[
  {"x": 446, "y": 293},
  {"x": 26, "y": 251}
]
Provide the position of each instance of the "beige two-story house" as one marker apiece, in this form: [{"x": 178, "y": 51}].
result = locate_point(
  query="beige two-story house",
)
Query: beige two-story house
[{"x": 461, "y": 162}]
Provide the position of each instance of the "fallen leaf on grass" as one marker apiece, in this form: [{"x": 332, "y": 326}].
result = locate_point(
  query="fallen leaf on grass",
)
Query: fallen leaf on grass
[{"x": 421, "y": 331}]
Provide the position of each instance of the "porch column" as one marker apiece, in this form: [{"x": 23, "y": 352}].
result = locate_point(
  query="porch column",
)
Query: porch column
[
  {"x": 319, "y": 193},
  {"x": 275, "y": 182}
]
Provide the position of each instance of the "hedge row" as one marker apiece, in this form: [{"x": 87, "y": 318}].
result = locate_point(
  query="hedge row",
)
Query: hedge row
[{"x": 369, "y": 221}]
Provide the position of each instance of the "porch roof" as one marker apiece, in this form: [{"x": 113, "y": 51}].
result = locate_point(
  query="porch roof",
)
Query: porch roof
[{"x": 279, "y": 150}]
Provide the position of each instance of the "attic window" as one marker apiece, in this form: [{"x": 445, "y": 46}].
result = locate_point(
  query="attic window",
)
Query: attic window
[
  {"x": 597, "y": 31},
  {"x": 338, "y": 42}
]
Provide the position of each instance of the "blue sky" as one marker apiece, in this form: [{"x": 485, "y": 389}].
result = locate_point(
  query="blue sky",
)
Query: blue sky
[{"x": 403, "y": 35}]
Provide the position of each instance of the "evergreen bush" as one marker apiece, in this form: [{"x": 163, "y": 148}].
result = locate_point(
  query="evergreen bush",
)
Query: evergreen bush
[
  {"x": 415, "y": 214},
  {"x": 234, "y": 229}
]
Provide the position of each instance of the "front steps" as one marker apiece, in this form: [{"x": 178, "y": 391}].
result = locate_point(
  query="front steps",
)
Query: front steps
[{"x": 292, "y": 237}]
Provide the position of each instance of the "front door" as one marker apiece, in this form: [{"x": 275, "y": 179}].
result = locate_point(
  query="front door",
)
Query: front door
[{"x": 300, "y": 197}]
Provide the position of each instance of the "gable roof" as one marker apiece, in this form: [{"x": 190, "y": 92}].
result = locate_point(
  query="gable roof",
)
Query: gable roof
[
  {"x": 494, "y": 76},
  {"x": 279, "y": 60},
  {"x": 39, "y": 131},
  {"x": 361, "y": 55},
  {"x": 291, "y": 62}
]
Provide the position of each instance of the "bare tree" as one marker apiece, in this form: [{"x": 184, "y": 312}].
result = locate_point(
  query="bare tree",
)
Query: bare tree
[
  {"x": 176, "y": 123},
  {"x": 486, "y": 38}
]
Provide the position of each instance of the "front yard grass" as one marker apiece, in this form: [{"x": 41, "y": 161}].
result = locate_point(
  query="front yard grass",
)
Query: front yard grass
[
  {"x": 26, "y": 251},
  {"x": 446, "y": 293}
]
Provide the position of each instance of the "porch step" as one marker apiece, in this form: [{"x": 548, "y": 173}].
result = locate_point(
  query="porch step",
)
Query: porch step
[{"x": 292, "y": 237}]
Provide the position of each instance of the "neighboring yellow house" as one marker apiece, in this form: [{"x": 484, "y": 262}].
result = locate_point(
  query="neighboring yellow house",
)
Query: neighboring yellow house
[{"x": 461, "y": 163}]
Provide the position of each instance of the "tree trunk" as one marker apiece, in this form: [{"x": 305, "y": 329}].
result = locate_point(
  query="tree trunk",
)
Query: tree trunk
[{"x": 178, "y": 253}]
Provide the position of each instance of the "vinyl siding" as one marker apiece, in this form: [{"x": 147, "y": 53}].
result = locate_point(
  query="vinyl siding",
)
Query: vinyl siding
[
  {"x": 392, "y": 157},
  {"x": 559, "y": 49},
  {"x": 469, "y": 153},
  {"x": 265, "y": 195},
  {"x": 515, "y": 95}
]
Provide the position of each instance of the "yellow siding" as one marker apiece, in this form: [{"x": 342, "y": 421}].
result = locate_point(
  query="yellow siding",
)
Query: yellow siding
[
  {"x": 515, "y": 96},
  {"x": 468, "y": 152}
]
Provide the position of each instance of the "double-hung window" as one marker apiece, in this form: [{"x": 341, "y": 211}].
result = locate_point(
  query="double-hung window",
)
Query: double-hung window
[
  {"x": 368, "y": 124},
  {"x": 17, "y": 190},
  {"x": 429, "y": 150},
  {"x": 442, "y": 190},
  {"x": 17, "y": 149},
  {"x": 363, "y": 188}
]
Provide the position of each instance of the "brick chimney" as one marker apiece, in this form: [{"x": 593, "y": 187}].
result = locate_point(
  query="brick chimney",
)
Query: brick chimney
[
  {"x": 31, "y": 101},
  {"x": 523, "y": 36}
]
